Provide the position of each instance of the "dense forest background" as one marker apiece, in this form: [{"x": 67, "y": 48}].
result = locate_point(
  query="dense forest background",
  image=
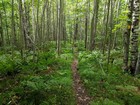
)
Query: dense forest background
[{"x": 46, "y": 46}]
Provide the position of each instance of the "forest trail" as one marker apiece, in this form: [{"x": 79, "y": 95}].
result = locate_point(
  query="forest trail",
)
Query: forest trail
[{"x": 81, "y": 95}]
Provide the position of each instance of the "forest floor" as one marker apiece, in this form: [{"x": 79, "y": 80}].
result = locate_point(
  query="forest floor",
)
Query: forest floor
[
  {"x": 76, "y": 77},
  {"x": 81, "y": 95}
]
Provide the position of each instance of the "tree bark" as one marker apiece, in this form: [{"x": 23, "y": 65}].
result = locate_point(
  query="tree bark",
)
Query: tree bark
[
  {"x": 22, "y": 44},
  {"x": 58, "y": 27},
  {"x": 106, "y": 26},
  {"x": 134, "y": 37},
  {"x": 127, "y": 35},
  {"x": 14, "y": 43},
  {"x": 6, "y": 23},
  {"x": 87, "y": 18},
  {"x": 1, "y": 31},
  {"x": 110, "y": 30},
  {"x": 94, "y": 24}
]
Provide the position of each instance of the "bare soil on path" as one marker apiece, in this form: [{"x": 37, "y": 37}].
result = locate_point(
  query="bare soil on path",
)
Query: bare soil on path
[{"x": 81, "y": 95}]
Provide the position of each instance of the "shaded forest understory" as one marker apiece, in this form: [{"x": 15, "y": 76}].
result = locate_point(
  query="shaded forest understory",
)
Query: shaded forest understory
[
  {"x": 66, "y": 52},
  {"x": 50, "y": 82}
]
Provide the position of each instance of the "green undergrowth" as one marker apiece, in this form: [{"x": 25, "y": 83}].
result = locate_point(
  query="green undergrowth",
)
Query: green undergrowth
[
  {"x": 107, "y": 84},
  {"x": 12, "y": 64},
  {"x": 45, "y": 82}
]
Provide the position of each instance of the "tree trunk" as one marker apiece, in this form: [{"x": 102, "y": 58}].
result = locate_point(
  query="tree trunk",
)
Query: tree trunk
[
  {"x": 110, "y": 30},
  {"x": 127, "y": 35},
  {"x": 14, "y": 43},
  {"x": 1, "y": 31},
  {"x": 94, "y": 25},
  {"x": 106, "y": 27},
  {"x": 22, "y": 44},
  {"x": 58, "y": 27},
  {"x": 76, "y": 31},
  {"x": 118, "y": 4},
  {"x": 138, "y": 65},
  {"x": 86, "y": 31},
  {"x": 43, "y": 26},
  {"x": 87, "y": 18},
  {"x": 134, "y": 37},
  {"x": 6, "y": 23}
]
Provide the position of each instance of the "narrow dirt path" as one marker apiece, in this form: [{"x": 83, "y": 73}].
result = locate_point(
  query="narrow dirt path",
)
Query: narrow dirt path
[{"x": 81, "y": 95}]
